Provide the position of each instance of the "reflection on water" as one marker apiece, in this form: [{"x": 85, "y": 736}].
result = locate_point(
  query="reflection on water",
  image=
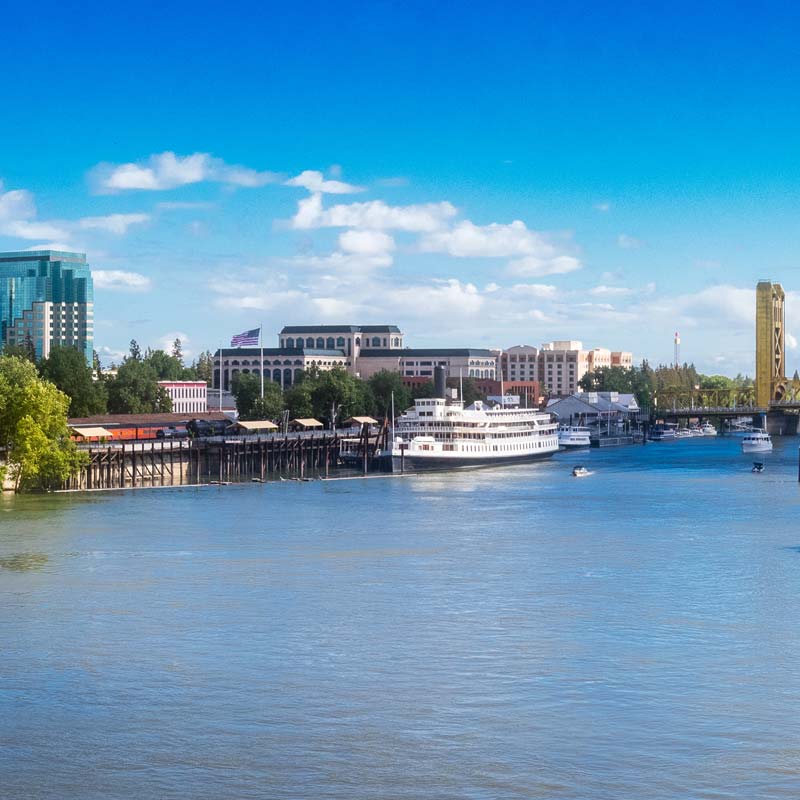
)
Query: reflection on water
[
  {"x": 498, "y": 633},
  {"x": 19, "y": 562}
]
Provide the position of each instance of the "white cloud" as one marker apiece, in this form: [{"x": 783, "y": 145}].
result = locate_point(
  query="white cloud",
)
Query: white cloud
[
  {"x": 375, "y": 215},
  {"x": 18, "y": 217},
  {"x": 25, "y": 229},
  {"x": 16, "y": 204},
  {"x": 178, "y": 206},
  {"x": 534, "y": 290},
  {"x": 113, "y": 223},
  {"x": 467, "y": 240},
  {"x": 58, "y": 246},
  {"x": 119, "y": 280},
  {"x": 628, "y": 242},
  {"x": 536, "y": 267},
  {"x": 169, "y": 171},
  {"x": 791, "y": 342},
  {"x": 439, "y": 298},
  {"x": 366, "y": 243},
  {"x": 605, "y": 206},
  {"x": 166, "y": 341},
  {"x": 532, "y": 253},
  {"x": 343, "y": 264},
  {"x": 609, "y": 291},
  {"x": 333, "y": 307},
  {"x": 315, "y": 182}
]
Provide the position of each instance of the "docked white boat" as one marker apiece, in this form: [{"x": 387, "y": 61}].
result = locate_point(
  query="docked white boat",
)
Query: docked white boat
[
  {"x": 757, "y": 442},
  {"x": 707, "y": 429},
  {"x": 663, "y": 433},
  {"x": 573, "y": 436},
  {"x": 441, "y": 434}
]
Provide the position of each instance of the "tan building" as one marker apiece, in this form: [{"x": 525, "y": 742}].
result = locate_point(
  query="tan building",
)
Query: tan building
[
  {"x": 562, "y": 363},
  {"x": 419, "y": 363},
  {"x": 349, "y": 340},
  {"x": 520, "y": 363}
]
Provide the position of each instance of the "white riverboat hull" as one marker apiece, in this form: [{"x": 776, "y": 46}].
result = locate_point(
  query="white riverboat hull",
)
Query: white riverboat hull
[{"x": 397, "y": 463}]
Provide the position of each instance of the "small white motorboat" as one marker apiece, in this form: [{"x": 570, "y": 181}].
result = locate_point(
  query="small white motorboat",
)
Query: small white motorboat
[
  {"x": 707, "y": 429},
  {"x": 573, "y": 436},
  {"x": 757, "y": 442},
  {"x": 580, "y": 472}
]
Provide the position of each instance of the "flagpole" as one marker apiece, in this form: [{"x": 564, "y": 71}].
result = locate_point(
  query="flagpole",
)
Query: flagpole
[
  {"x": 220, "y": 378},
  {"x": 261, "y": 342}
]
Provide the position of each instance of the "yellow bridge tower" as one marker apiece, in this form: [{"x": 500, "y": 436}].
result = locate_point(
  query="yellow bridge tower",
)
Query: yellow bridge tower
[{"x": 770, "y": 341}]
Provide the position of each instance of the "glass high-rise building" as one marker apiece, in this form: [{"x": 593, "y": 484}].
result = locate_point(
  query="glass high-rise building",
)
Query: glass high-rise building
[{"x": 46, "y": 298}]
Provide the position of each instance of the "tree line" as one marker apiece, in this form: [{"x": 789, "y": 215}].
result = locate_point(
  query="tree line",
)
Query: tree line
[
  {"x": 130, "y": 388},
  {"x": 646, "y": 382}
]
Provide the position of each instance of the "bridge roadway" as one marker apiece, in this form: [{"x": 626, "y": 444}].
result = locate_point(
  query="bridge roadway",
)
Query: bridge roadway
[{"x": 710, "y": 411}]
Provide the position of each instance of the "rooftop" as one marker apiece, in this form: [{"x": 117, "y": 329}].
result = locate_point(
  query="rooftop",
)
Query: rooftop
[
  {"x": 415, "y": 352},
  {"x": 340, "y": 329},
  {"x": 38, "y": 255},
  {"x": 255, "y": 352}
]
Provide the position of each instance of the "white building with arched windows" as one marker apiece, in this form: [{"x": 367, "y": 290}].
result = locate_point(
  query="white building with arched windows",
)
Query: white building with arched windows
[{"x": 281, "y": 365}]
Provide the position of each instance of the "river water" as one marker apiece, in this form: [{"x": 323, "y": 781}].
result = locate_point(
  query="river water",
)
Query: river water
[{"x": 501, "y": 633}]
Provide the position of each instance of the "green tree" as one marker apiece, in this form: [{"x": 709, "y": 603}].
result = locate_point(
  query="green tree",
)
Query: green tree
[
  {"x": 135, "y": 390},
  {"x": 270, "y": 406},
  {"x": 135, "y": 350},
  {"x": 20, "y": 351},
  {"x": 337, "y": 395},
  {"x": 203, "y": 368},
  {"x": 323, "y": 394},
  {"x": 66, "y": 368},
  {"x": 177, "y": 350},
  {"x": 299, "y": 399},
  {"x": 246, "y": 389},
  {"x": 166, "y": 367},
  {"x": 39, "y": 453},
  {"x": 383, "y": 385}
]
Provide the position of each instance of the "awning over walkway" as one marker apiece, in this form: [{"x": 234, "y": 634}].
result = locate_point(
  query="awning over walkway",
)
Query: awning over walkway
[
  {"x": 363, "y": 421},
  {"x": 91, "y": 432},
  {"x": 256, "y": 425},
  {"x": 307, "y": 422}
]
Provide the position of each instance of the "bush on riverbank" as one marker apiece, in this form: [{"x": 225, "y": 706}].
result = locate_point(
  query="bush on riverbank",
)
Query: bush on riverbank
[{"x": 39, "y": 453}]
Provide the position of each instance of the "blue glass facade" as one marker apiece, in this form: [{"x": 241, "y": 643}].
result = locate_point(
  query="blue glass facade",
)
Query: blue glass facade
[{"x": 47, "y": 296}]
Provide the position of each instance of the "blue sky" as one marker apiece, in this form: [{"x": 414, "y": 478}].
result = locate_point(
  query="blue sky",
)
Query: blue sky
[{"x": 483, "y": 174}]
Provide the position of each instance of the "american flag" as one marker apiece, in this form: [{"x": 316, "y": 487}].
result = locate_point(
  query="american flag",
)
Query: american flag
[{"x": 246, "y": 339}]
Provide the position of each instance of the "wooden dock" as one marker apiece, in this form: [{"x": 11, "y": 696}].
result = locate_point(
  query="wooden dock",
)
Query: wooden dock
[{"x": 225, "y": 459}]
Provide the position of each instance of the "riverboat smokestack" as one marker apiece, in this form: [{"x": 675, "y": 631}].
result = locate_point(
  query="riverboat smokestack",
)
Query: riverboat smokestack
[{"x": 439, "y": 382}]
